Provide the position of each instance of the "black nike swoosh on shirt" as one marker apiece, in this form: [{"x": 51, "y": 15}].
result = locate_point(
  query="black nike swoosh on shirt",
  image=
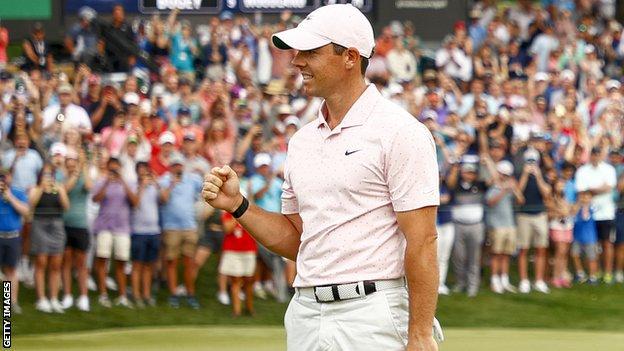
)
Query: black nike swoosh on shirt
[{"x": 347, "y": 153}]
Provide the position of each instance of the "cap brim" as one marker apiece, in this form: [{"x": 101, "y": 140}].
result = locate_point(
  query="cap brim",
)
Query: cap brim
[{"x": 298, "y": 39}]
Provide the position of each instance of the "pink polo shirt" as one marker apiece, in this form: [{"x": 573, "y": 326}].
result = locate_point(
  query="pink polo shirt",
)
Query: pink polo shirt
[{"x": 347, "y": 185}]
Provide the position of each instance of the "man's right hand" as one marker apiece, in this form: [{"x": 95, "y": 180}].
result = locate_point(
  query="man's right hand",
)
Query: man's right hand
[{"x": 221, "y": 189}]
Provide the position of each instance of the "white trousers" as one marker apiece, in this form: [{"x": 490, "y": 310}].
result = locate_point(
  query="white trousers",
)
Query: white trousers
[
  {"x": 375, "y": 322},
  {"x": 446, "y": 236}
]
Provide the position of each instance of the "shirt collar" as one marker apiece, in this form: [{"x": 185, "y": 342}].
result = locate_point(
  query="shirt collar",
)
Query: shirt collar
[{"x": 357, "y": 114}]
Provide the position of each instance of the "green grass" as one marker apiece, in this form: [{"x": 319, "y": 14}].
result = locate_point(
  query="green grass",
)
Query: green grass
[
  {"x": 273, "y": 339},
  {"x": 582, "y": 307}
]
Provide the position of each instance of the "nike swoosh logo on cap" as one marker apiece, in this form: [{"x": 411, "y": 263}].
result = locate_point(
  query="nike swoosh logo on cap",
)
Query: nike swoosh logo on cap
[{"x": 347, "y": 153}]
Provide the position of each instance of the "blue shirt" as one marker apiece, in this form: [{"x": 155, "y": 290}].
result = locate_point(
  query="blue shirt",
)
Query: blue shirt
[
  {"x": 569, "y": 191},
  {"x": 10, "y": 220},
  {"x": 271, "y": 200},
  {"x": 181, "y": 55},
  {"x": 179, "y": 212},
  {"x": 25, "y": 169},
  {"x": 144, "y": 217},
  {"x": 585, "y": 231}
]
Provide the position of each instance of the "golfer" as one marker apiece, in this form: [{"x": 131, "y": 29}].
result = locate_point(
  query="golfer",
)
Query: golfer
[{"x": 359, "y": 201}]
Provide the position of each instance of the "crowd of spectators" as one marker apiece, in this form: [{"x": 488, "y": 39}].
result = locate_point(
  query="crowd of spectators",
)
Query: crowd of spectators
[{"x": 102, "y": 164}]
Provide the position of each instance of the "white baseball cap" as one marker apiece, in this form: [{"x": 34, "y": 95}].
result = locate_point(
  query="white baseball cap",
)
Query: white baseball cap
[
  {"x": 505, "y": 167},
  {"x": 166, "y": 137},
  {"x": 262, "y": 159},
  {"x": 613, "y": 84},
  {"x": 341, "y": 24},
  {"x": 58, "y": 149},
  {"x": 292, "y": 120},
  {"x": 541, "y": 77},
  {"x": 131, "y": 98}
]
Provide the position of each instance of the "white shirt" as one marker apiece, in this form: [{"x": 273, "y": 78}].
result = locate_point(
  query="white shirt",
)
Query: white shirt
[
  {"x": 459, "y": 67},
  {"x": 75, "y": 116},
  {"x": 590, "y": 177},
  {"x": 347, "y": 185},
  {"x": 402, "y": 65}
]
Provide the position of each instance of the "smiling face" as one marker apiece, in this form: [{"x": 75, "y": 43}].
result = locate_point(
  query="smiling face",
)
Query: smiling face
[{"x": 322, "y": 70}]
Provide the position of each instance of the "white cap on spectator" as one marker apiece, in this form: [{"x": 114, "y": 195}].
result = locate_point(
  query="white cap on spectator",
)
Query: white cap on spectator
[
  {"x": 146, "y": 107},
  {"x": 166, "y": 137},
  {"x": 71, "y": 154},
  {"x": 284, "y": 109},
  {"x": 292, "y": 120},
  {"x": 158, "y": 89},
  {"x": 589, "y": 49},
  {"x": 262, "y": 159},
  {"x": 567, "y": 74},
  {"x": 131, "y": 99},
  {"x": 65, "y": 88},
  {"x": 176, "y": 159},
  {"x": 541, "y": 77},
  {"x": 505, "y": 167},
  {"x": 613, "y": 84},
  {"x": 58, "y": 149},
  {"x": 341, "y": 24}
]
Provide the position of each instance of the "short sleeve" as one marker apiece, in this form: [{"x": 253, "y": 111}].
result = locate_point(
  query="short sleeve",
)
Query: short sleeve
[
  {"x": 411, "y": 169},
  {"x": 290, "y": 204},
  {"x": 164, "y": 181},
  {"x": 98, "y": 185},
  {"x": 256, "y": 184},
  {"x": 492, "y": 192}
]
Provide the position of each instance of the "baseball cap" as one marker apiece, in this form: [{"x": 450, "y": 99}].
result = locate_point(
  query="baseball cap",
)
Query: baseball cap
[
  {"x": 71, "y": 154},
  {"x": 531, "y": 155},
  {"x": 505, "y": 167},
  {"x": 131, "y": 99},
  {"x": 94, "y": 79},
  {"x": 613, "y": 84},
  {"x": 541, "y": 77},
  {"x": 284, "y": 109},
  {"x": 342, "y": 24},
  {"x": 226, "y": 15},
  {"x": 58, "y": 149},
  {"x": 590, "y": 49},
  {"x": 567, "y": 74},
  {"x": 166, "y": 137},
  {"x": 292, "y": 120},
  {"x": 184, "y": 111},
  {"x": 176, "y": 159},
  {"x": 262, "y": 159},
  {"x": 65, "y": 88},
  {"x": 189, "y": 137},
  {"x": 87, "y": 13},
  {"x": 429, "y": 114},
  {"x": 429, "y": 75},
  {"x": 133, "y": 139},
  {"x": 469, "y": 167}
]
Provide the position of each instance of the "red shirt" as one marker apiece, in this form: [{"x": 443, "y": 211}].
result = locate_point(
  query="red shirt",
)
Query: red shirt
[{"x": 238, "y": 240}]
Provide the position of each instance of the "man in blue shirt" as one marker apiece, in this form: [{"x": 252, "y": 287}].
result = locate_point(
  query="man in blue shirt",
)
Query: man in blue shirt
[
  {"x": 13, "y": 206},
  {"x": 179, "y": 191}
]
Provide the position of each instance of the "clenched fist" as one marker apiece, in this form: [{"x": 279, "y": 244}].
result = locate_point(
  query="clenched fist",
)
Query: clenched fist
[{"x": 222, "y": 189}]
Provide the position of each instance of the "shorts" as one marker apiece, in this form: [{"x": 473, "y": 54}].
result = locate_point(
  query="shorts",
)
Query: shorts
[
  {"x": 606, "y": 230},
  {"x": 590, "y": 251},
  {"x": 180, "y": 242},
  {"x": 532, "y": 230},
  {"x": 619, "y": 227},
  {"x": 47, "y": 236},
  {"x": 238, "y": 264},
  {"x": 77, "y": 238},
  {"x": 212, "y": 240},
  {"x": 10, "y": 251},
  {"x": 503, "y": 240},
  {"x": 562, "y": 235},
  {"x": 144, "y": 247},
  {"x": 108, "y": 243}
]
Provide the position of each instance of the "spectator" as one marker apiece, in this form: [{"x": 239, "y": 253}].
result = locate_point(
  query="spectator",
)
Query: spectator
[
  {"x": 82, "y": 40},
  {"x": 118, "y": 41},
  {"x": 500, "y": 221},
  {"x": 401, "y": 62},
  {"x": 58, "y": 118},
  {"x": 184, "y": 50},
  {"x": 600, "y": 178},
  {"x": 446, "y": 235},
  {"x": 49, "y": 200},
  {"x": 238, "y": 263},
  {"x": 585, "y": 239},
  {"x": 37, "y": 50},
  {"x": 532, "y": 221},
  {"x": 13, "y": 207},
  {"x": 561, "y": 227},
  {"x": 178, "y": 193},
  {"x": 467, "y": 195},
  {"x": 112, "y": 228},
  {"x": 78, "y": 184},
  {"x": 145, "y": 239},
  {"x": 4, "y": 43}
]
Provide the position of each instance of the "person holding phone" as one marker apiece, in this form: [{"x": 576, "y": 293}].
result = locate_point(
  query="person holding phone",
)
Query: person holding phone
[{"x": 48, "y": 201}]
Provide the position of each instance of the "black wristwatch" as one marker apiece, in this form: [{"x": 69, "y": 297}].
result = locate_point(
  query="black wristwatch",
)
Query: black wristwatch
[{"x": 241, "y": 209}]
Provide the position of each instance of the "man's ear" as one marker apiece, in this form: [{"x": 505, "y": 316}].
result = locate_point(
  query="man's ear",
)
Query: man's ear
[{"x": 352, "y": 57}]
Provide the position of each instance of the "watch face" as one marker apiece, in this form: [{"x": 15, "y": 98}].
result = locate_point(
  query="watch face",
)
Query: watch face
[{"x": 60, "y": 117}]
